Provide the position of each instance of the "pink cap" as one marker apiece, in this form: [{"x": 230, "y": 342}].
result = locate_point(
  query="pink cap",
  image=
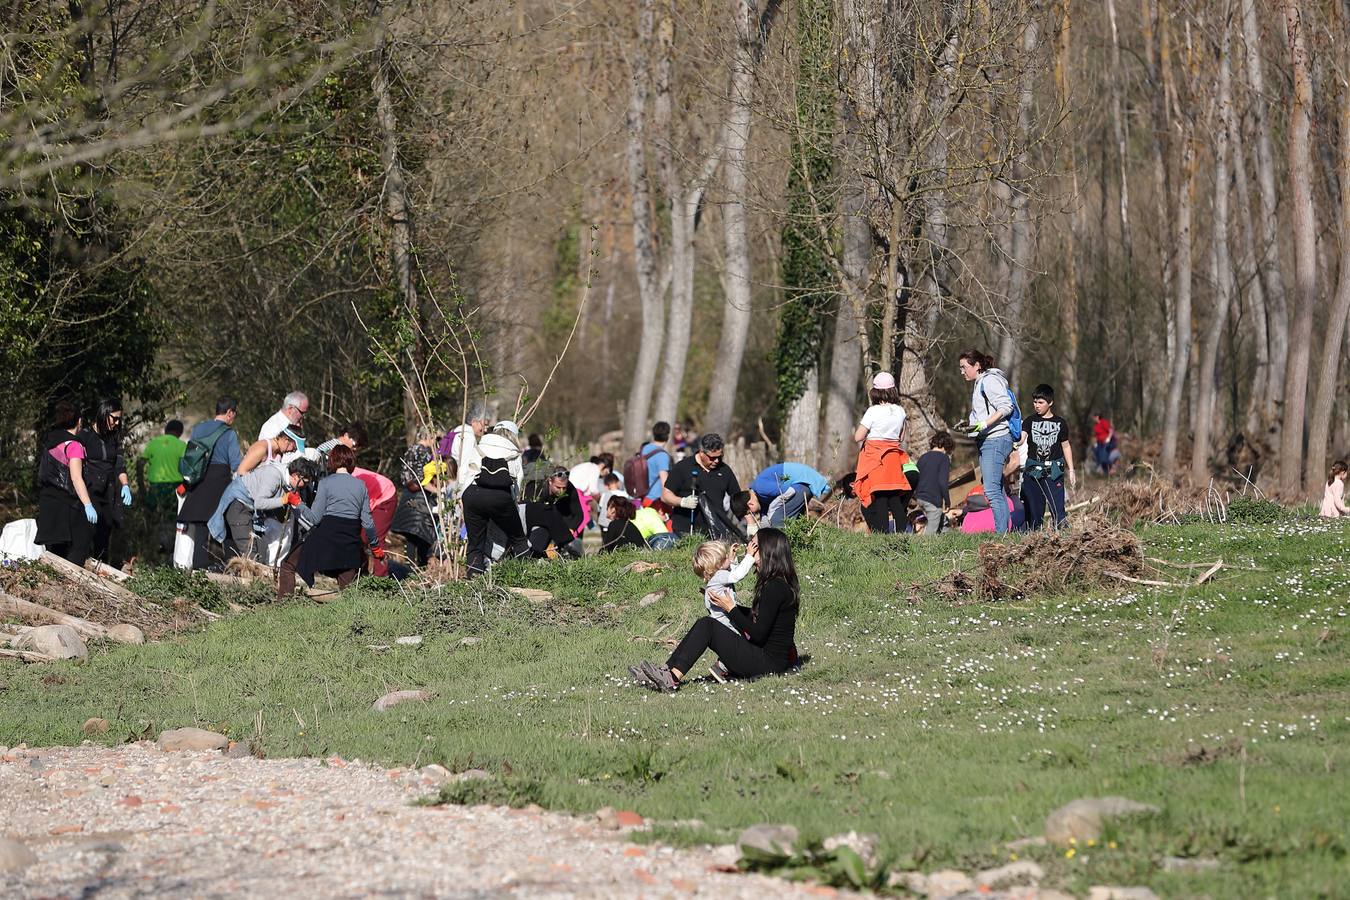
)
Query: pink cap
[{"x": 884, "y": 381}]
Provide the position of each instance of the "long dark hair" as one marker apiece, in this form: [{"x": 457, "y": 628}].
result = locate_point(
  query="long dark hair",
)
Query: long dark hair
[
  {"x": 106, "y": 407},
  {"x": 775, "y": 564}
]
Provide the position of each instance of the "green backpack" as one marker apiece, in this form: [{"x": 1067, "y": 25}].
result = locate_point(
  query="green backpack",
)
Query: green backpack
[{"x": 197, "y": 458}]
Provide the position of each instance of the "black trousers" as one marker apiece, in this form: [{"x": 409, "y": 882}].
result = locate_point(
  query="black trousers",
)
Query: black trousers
[
  {"x": 886, "y": 504},
  {"x": 77, "y": 549},
  {"x": 481, "y": 506},
  {"x": 742, "y": 658}
]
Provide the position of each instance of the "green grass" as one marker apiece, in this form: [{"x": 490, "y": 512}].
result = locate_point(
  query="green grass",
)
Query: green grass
[{"x": 947, "y": 730}]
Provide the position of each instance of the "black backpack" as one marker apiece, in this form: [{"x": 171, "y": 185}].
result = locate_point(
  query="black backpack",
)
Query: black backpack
[
  {"x": 52, "y": 474},
  {"x": 197, "y": 458}
]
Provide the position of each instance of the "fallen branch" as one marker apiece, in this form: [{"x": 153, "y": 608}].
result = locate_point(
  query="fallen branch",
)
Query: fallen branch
[
  {"x": 17, "y": 606},
  {"x": 107, "y": 571},
  {"x": 1149, "y": 581},
  {"x": 1200, "y": 565},
  {"x": 232, "y": 580},
  {"x": 1209, "y": 573},
  {"x": 26, "y": 655},
  {"x": 72, "y": 572}
]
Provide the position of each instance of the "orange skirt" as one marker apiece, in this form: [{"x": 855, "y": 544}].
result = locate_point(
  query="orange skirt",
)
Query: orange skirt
[{"x": 881, "y": 467}]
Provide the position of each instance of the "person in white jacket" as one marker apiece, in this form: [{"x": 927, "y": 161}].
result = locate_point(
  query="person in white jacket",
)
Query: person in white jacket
[
  {"x": 465, "y": 450},
  {"x": 503, "y": 443}
]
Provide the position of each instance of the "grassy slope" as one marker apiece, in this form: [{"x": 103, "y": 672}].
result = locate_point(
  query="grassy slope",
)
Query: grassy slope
[{"x": 947, "y": 730}]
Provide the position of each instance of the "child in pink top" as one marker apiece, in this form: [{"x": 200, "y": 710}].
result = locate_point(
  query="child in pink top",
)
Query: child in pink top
[{"x": 1333, "y": 498}]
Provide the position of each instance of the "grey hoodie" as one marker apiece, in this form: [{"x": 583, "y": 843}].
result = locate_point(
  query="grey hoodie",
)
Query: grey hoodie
[{"x": 990, "y": 394}]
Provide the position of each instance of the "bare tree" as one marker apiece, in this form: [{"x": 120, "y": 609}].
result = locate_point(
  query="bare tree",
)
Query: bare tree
[
  {"x": 399, "y": 214},
  {"x": 644, "y": 243},
  {"x": 1304, "y": 227},
  {"x": 1181, "y": 353},
  {"x": 1220, "y": 269},
  {"x": 1329, "y": 367},
  {"x": 1269, "y": 267},
  {"x": 752, "y": 31},
  {"x": 1020, "y": 249}
]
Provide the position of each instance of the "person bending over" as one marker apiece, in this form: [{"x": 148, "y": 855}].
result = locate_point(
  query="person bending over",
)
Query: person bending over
[
  {"x": 341, "y": 517},
  {"x": 765, "y": 643}
]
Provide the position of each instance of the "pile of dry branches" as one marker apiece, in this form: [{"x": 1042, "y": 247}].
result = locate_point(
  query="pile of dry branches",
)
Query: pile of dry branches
[
  {"x": 41, "y": 594},
  {"x": 1045, "y": 562}
]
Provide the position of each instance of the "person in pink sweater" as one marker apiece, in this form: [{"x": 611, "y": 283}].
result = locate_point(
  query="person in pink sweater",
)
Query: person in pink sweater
[{"x": 1333, "y": 498}]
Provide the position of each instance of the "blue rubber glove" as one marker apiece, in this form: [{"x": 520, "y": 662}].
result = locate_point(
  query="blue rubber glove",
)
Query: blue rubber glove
[
  {"x": 91, "y": 514},
  {"x": 126, "y": 495}
]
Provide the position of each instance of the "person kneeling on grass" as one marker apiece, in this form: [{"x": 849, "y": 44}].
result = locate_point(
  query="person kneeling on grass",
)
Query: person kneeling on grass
[
  {"x": 765, "y": 642},
  {"x": 341, "y": 516}
]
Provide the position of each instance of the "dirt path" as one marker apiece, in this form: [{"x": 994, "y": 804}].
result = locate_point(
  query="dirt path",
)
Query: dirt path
[{"x": 136, "y": 822}]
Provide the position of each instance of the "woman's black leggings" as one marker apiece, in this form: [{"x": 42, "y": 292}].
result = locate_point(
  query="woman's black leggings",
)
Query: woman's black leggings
[
  {"x": 742, "y": 658},
  {"x": 886, "y": 504}
]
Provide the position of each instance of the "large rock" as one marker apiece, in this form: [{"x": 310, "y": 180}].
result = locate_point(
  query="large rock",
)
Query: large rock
[
  {"x": 396, "y": 697},
  {"x": 768, "y": 842},
  {"x": 192, "y": 739},
  {"x": 1082, "y": 819},
  {"x": 948, "y": 883},
  {"x": 15, "y": 856},
  {"x": 1013, "y": 871},
  {"x": 56, "y": 641},
  {"x": 126, "y": 634},
  {"x": 1103, "y": 892},
  {"x": 865, "y": 845}
]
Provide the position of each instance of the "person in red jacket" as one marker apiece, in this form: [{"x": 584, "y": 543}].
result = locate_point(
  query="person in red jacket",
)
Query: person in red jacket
[{"x": 1104, "y": 443}]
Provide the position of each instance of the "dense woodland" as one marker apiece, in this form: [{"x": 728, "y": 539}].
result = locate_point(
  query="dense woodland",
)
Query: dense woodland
[{"x": 606, "y": 212}]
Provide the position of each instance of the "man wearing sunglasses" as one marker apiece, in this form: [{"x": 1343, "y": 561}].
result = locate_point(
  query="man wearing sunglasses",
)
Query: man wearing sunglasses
[
  {"x": 291, "y": 415},
  {"x": 701, "y": 477}
]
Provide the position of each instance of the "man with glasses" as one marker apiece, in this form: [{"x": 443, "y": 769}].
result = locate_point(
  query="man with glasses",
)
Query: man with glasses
[
  {"x": 291, "y": 416},
  {"x": 702, "y": 477}
]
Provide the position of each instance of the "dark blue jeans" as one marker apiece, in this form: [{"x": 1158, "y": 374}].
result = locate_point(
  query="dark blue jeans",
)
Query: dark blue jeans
[{"x": 1041, "y": 494}]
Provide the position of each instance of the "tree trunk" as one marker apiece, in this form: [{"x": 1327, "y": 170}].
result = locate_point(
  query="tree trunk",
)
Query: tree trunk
[
  {"x": 1010, "y": 347},
  {"x": 1269, "y": 262},
  {"x": 1181, "y": 357},
  {"x": 736, "y": 283},
  {"x": 398, "y": 211},
  {"x": 1068, "y": 363},
  {"x": 1158, "y": 62},
  {"x": 801, "y": 428},
  {"x": 846, "y": 356},
  {"x": 1328, "y": 370},
  {"x": 1206, "y": 385},
  {"x": 849, "y": 339},
  {"x": 636, "y": 425},
  {"x": 1304, "y": 228},
  {"x": 1259, "y": 414}
]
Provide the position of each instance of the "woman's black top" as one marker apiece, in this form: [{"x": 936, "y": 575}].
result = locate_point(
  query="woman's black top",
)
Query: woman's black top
[
  {"x": 774, "y": 625},
  {"x": 622, "y": 534},
  {"x": 103, "y": 463},
  {"x": 60, "y": 511}
]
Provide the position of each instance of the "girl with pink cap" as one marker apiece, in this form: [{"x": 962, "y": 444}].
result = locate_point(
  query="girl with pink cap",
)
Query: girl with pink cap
[{"x": 879, "y": 481}]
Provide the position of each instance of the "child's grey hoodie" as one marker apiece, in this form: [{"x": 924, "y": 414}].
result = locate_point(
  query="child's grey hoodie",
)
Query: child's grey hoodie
[{"x": 726, "y": 578}]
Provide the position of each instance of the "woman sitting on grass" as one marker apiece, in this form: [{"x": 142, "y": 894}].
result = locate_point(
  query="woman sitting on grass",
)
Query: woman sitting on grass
[
  {"x": 621, "y": 532},
  {"x": 765, "y": 643}
]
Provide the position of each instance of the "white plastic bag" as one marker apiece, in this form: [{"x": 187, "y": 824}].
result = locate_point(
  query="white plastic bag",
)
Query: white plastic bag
[{"x": 17, "y": 541}]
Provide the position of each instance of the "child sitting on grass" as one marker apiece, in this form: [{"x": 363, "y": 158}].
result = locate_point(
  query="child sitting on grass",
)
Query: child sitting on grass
[{"x": 715, "y": 563}]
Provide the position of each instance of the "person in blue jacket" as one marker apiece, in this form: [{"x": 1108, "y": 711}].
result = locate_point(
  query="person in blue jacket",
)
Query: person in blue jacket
[{"x": 785, "y": 488}]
